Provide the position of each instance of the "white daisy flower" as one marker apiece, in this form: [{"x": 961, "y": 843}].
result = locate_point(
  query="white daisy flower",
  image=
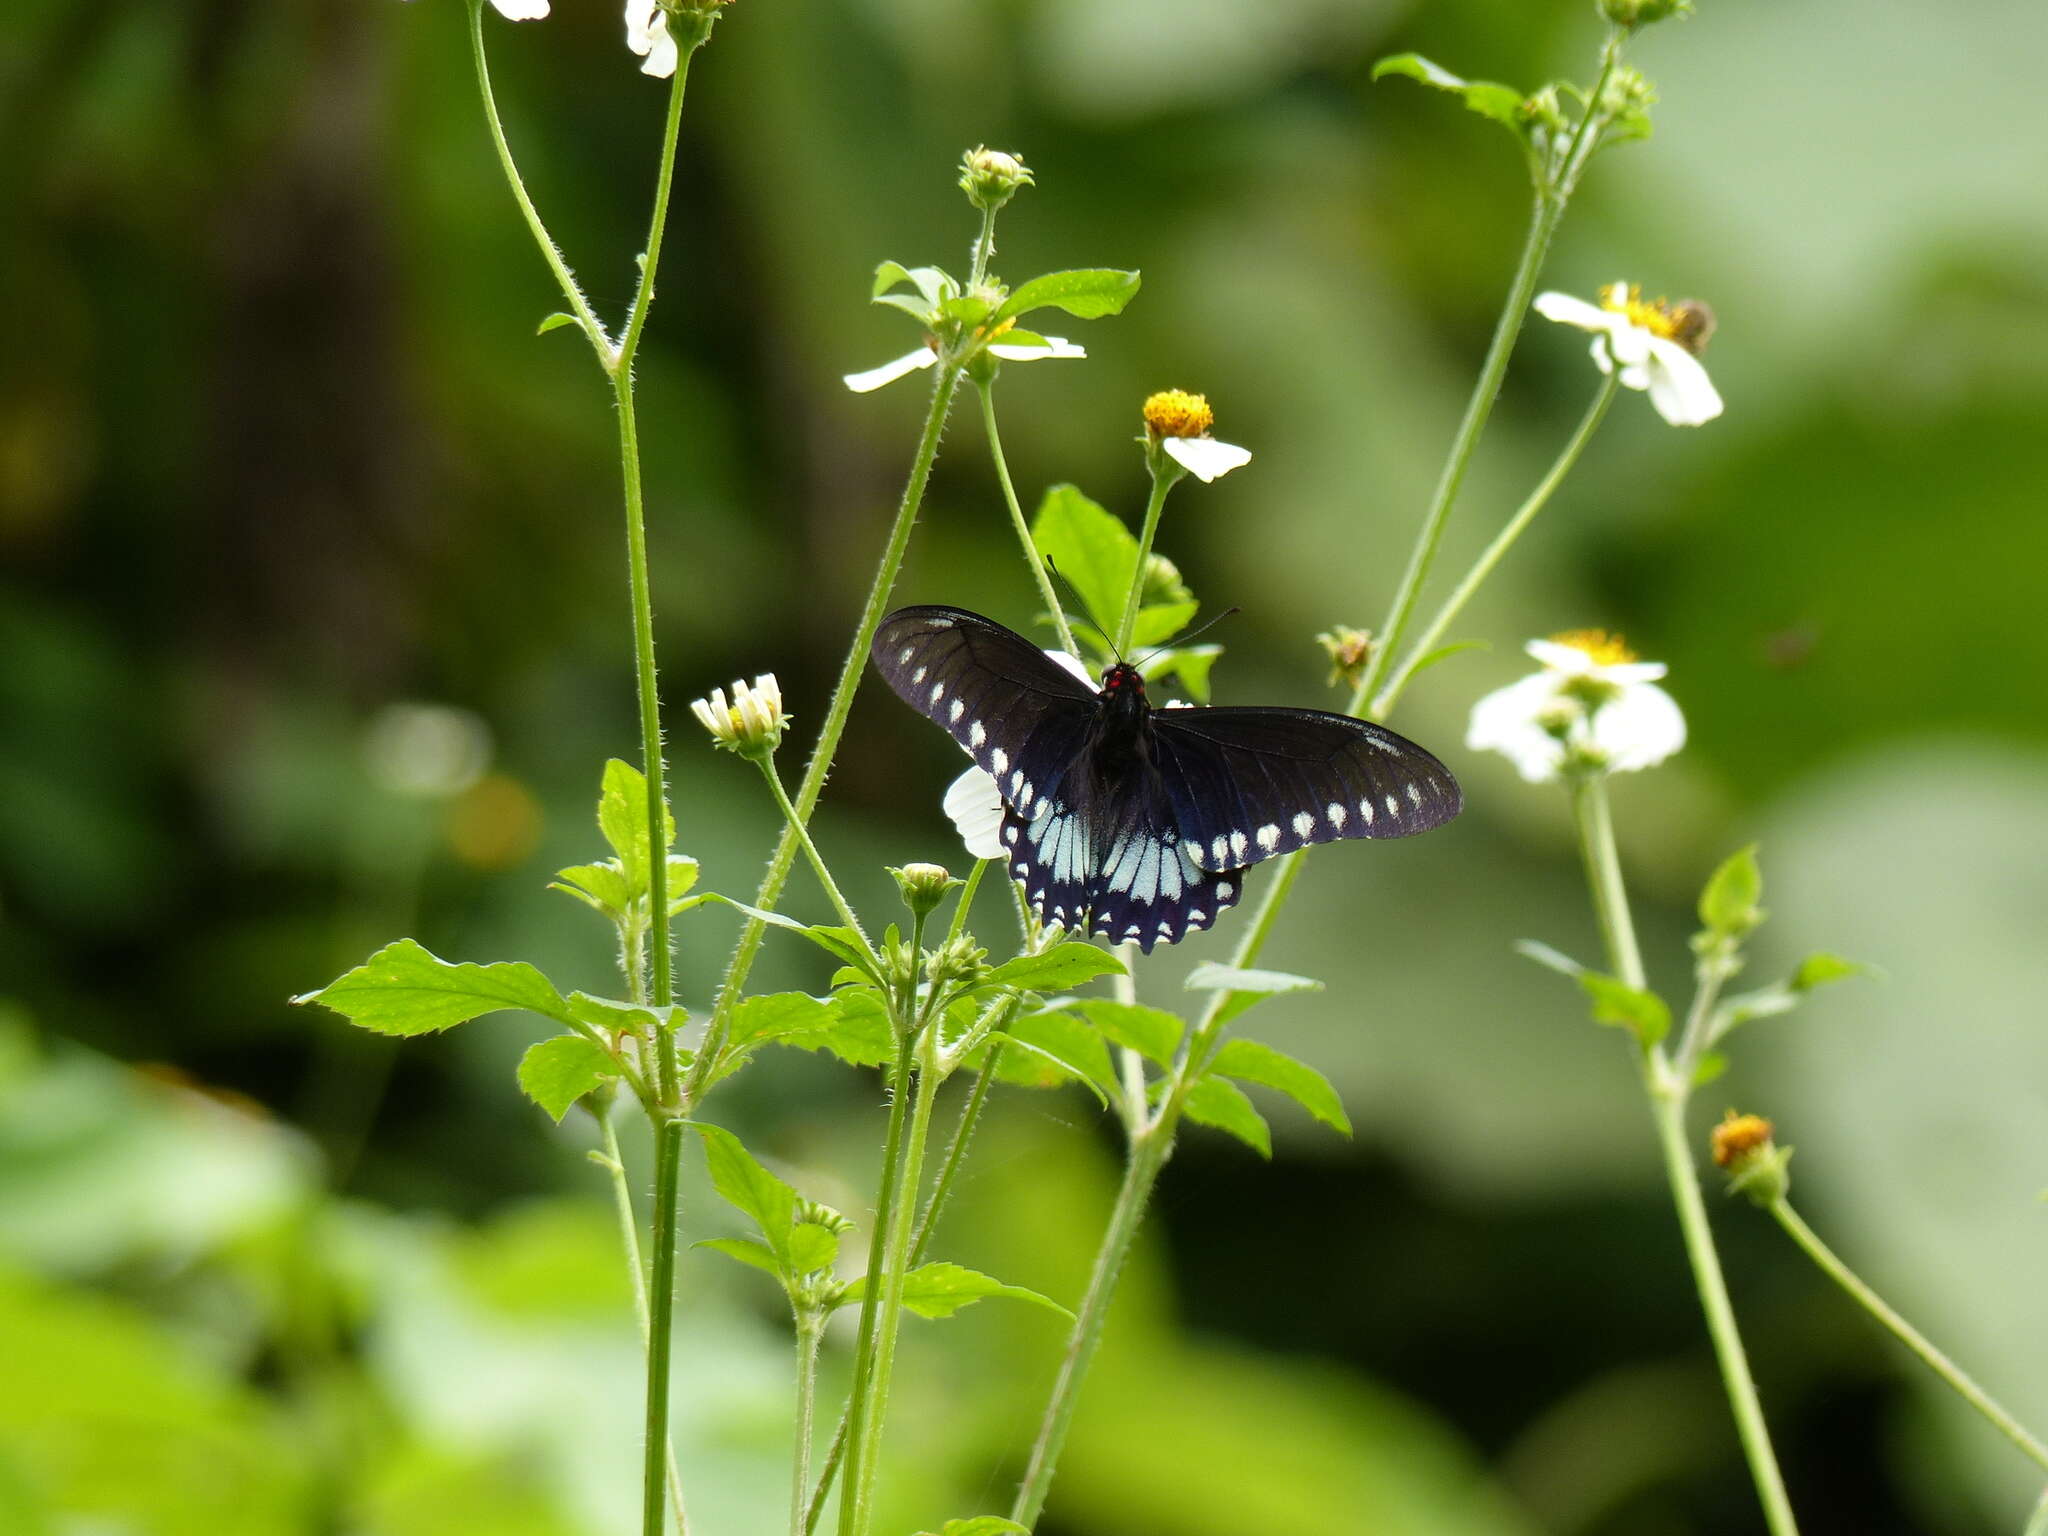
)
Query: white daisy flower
[
  {"x": 1179, "y": 423},
  {"x": 647, "y": 34},
  {"x": 752, "y": 725},
  {"x": 1656, "y": 343},
  {"x": 924, "y": 357},
  {"x": 1593, "y": 708}
]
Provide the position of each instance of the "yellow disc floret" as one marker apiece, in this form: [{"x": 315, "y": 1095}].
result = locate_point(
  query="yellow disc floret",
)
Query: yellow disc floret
[
  {"x": 1176, "y": 413},
  {"x": 1689, "y": 322},
  {"x": 1605, "y": 650},
  {"x": 1737, "y": 1136}
]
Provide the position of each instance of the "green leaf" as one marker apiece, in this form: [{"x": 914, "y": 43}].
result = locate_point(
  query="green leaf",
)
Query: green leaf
[
  {"x": 857, "y": 1031},
  {"x": 1642, "y": 1013},
  {"x": 749, "y": 1252},
  {"x": 682, "y": 874},
  {"x": 554, "y": 322},
  {"x": 602, "y": 886},
  {"x": 1160, "y": 622},
  {"x": 1553, "y": 959},
  {"x": 622, "y": 818},
  {"x": 1728, "y": 905},
  {"x": 983, "y": 1525},
  {"x": 1049, "y": 1049},
  {"x": 556, "y": 1073},
  {"x": 1250, "y": 1062},
  {"x": 1502, "y": 103},
  {"x": 745, "y": 1184},
  {"x": 610, "y": 1013},
  {"x": 776, "y": 1014},
  {"x": 812, "y": 1247},
  {"x": 1089, "y": 293},
  {"x": 932, "y": 284},
  {"x": 1821, "y": 968},
  {"x": 1247, "y": 988},
  {"x": 1219, "y": 1102},
  {"x": 940, "y": 1290},
  {"x": 1445, "y": 653},
  {"x": 1710, "y": 1066},
  {"x": 969, "y": 309},
  {"x": 1151, "y": 1032},
  {"x": 1063, "y": 966},
  {"x": 403, "y": 989},
  {"x": 840, "y": 942},
  {"x": 1090, "y": 547},
  {"x": 1190, "y": 663}
]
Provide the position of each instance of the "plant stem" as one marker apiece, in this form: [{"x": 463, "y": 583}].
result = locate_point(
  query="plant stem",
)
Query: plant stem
[
  {"x": 687, "y": 44},
  {"x": 1032, "y": 557},
  {"x": 1503, "y": 541},
  {"x": 820, "y": 763},
  {"x": 817, "y": 860},
  {"x": 1907, "y": 1334},
  {"x": 1148, "y": 1154},
  {"x": 629, "y": 1239},
  {"x": 1164, "y": 473},
  {"x": 2037, "y": 1525},
  {"x": 856, "y": 1510},
  {"x": 810, "y": 1328},
  {"x": 668, "y": 1160},
  {"x": 592, "y": 327},
  {"x": 965, "y": 904},
  {"x": 1603, "y": 877},
  {"x": 984, "y": 247},
  {"x": 956, "y": 1153},
  {"x": 854, "y": 1425},
  {"x": 1667, "y": 1107}
]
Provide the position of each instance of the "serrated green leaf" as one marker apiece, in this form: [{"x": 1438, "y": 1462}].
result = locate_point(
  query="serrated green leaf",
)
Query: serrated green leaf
[
  {"x": 1221, "y": 1103},
  {"x": 1190, "y": 663},
  {"x": 1820, "y": 968},
  {"x": 812, "y": 1247},
  {"x": 622, "y": 818},
  {"x": 940, "y": 1290},
  {"x": 1728, "y": 905},
  {"x": 603, "y": 886},
  {"x": 610, "y": 1013},
  {"x": 769, "y": 1017},
  {"x": 1091, "y": 549},
  {"x": 1642, "y": 1013},
  {"x": 1551, "y": 959},
  {"x": 404, "y": 989},
  {"x": 1151, "y": 1032},
  {"x": 1049, "y": 1049},
  {"x": 1088, "y": 293},
  {"x": 1247, "y": 988},
  {"x": 749, "y": 1252},
  {"x": 1250, "y": 1062},
  {"x": 744, "y": 1184},
  {"x": 557, "y": 1072},
  {"x": 1063, "y": 966},
  {"x": 858, "y": 1030},
  {"x": 840, "y": 942},
  {"x": 1160, "y": 622},
  {"x": 1501, "y": 103},
  {"x": 554, "y": 322}
]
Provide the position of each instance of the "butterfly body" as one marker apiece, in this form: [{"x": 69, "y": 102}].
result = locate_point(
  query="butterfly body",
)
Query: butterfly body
[{"x": 1137, "y": 823}]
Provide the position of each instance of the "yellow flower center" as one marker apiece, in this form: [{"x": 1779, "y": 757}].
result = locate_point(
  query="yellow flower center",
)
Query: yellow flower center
[
  {"x": 1605, "y": 650},
  {"x": 1737, "y": 1136},
  {"x": 1688, "y": 322},
  {"x": 1176, "y": 413}
]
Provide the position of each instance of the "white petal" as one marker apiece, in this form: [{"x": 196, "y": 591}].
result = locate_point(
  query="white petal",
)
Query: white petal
[
  {"x": 647, "y": 35},
  {"x": 1604, "y": 360},
  {"x": 1679, "y": 386},
  {"x": 1636, "y": 376},
  {"x": 1631, "y": 344},
  {"x": 977, "y": 812},
  {"x": 1204, "y": 457},
  {"x": 521, "y": 10},
  {"x": 890, "y": 372},
  {"x": 1073, "y": 664},
  {"x": 1640, "y": 727},
  {"x": 1568, "y": 659},
  {"x": 1566, "y": 310},
  {"x": 1627, "y": 672},
  {"x": 1055, "y": 346},
  {"x": 1505, "y": 721}
]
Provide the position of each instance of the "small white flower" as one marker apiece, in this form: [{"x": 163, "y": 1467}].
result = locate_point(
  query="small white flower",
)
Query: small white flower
[
  {"x": 924, "y": 357},
  {"x": 1593, "y": 707},
  {"x": 1179, "y": 423},
  {"x": 977, "y": 813},
  {"x": 1657, "y": 345},
  {"x": 647, "y": 34},
  {"x": 752, "y": 724},
  {"x": 521, "y": 10}
]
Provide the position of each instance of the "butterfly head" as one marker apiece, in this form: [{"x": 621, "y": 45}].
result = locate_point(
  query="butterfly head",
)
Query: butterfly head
[{"x": 1123, "y": 693}]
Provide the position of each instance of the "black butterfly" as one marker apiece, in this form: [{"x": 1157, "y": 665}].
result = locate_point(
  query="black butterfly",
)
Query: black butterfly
[{"x": 1139, "y": 823}]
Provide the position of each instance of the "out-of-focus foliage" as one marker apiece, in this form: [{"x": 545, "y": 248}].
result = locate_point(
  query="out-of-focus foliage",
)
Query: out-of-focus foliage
[{"x": 280, "y": 453}]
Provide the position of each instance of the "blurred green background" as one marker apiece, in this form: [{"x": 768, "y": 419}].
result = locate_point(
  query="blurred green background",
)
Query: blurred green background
[{"x": 279, "y": 453}]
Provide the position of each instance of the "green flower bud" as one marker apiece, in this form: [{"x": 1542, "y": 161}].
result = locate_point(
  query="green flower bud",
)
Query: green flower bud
[
  {"x": 923, "y": 886},
  {"x": 959, "y": 959},
  {"x": 1755, "y": 1164},
  {"x": 991, "y": 178},
  {"x": 1640, "y": 13},
  {"x": 1349, "y": 650}
]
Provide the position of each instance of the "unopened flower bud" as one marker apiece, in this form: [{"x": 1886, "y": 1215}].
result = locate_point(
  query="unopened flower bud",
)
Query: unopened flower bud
[
  {"x": 991, "y": 178},
  {"x": 1349, "y": 651},
  {"x": 1640, "y": 13},
  {"x": 923, "y": 886},
  {"x": 752, "y": 725},
  {"x": 959, "y": 959},
  {"x": 1755, "y": 1164},
  {"x": 822, "y": 1216}
]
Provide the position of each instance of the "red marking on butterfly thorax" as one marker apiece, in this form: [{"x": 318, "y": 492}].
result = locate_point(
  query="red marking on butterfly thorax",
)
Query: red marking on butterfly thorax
[{"x": 1124, "y": 679}]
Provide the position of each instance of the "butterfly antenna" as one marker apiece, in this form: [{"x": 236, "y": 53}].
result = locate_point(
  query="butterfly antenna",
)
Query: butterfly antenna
[
  {"x": 1077, "y": 608},
  {"x": 1193, "y": 634}
]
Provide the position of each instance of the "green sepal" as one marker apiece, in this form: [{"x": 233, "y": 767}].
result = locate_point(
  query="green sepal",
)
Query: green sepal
[
  {"x": 1218, "y": 1102},
  {"x": 1088, "y": 293},
  {"x": 1152, "y": 1032},
  {"x": 940, "y": 1290},
  {"x": 556, "y": 1072},
  {"x": 1251, "y": 1062}
]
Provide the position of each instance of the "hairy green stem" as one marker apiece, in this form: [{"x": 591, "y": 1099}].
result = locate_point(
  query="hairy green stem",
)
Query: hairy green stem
[
  {"x": 1495, "y": 551},
  {"x": 835, "y": 1455},
  {"x": 629, "y": 1239},
  {"x": 1603, "y": 877},
  {"x": 810, "y": 1328},
  {"x": 817, "y": 860},
  {"x": 1907, "y": 1334},
  {"x": 956, "y": 1151},
  {"x": 668, "y": 1161},
  {"x": 820, "y": 764},
  {"x": 1032, "y": 557}
]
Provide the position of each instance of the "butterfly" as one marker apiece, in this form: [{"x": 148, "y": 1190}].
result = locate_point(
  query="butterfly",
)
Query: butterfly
[{"x": 1138, "y": 823}]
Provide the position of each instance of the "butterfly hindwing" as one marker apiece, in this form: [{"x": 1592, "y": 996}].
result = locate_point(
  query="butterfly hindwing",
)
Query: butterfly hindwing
[{"x": 1251, "y": 784}]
